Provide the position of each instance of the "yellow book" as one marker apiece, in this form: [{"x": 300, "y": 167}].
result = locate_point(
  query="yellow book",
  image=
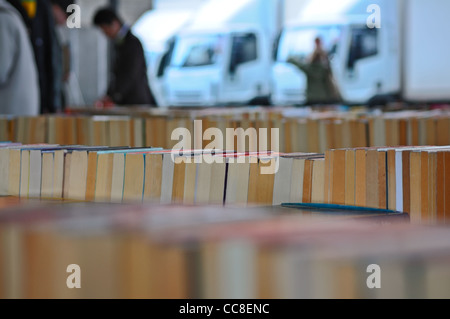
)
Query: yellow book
[
  {"x": 78, "y": 176},
  {"x": 338, "y": 177},
  {"x": 133, "y": 189},
  {"x": 47, "y": 175},
  {"x": 318, "y": 180},
  {"x": 117, "y": 178},
  {"x": 14, "y": 172},
  {"x": 58, "y": 174},
  {"x": 360, "y": 178},
  {"x": 189, "y": 183},
  {"x": 237, "y": 181},
  {"x": 24, "y": 173},
  {"x": 218, "y": 172},
  {"x": 350, "y": 177},
  {"x": 104, "y": 177},
  {"x": 153, "y": 177}
]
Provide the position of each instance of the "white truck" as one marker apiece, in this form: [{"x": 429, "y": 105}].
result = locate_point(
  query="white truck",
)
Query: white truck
[
  {"x": 402, "y": 56},
  {"x": 224, "y": 56}
]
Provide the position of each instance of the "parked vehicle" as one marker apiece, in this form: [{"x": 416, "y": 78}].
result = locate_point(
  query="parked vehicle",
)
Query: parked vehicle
[
  {"x": 224, "y": 56},
  {"x": 402, "y": 59}
]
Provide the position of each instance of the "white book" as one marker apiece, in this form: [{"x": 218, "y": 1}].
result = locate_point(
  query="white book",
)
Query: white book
[
  {"x": 4, "y": 171},
  {"x": 237, "y": 182},
  {"x": 203, "y": 183},
  {"x": 167, "y": 179},
  {"x": 298, "y": 172},
  {"x": 78, "y": 175},
  {"x": 282, "y": 182},
  {"x": 24, "y": 173},
  {"x": 47, "y": 174},
  {"x": 35, "y": 173},
  {"x": 118, "y": 177},
  {"x": 398, "y": 181}
]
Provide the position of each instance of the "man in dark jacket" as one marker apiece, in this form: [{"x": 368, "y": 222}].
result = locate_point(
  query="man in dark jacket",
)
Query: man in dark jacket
[{"x": 129, "y": 83}]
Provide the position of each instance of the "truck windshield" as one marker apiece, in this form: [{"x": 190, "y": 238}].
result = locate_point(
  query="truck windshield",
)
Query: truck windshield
[
  {"x": 299, "y": 42},
  {"x": 192, "y": 51}
]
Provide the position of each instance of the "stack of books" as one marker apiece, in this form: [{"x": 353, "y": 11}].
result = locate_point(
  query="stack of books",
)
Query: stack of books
[
  {"x": 414, "y": 180},
  {"x": 298, "y": 130},
  {"x": 409, "y": 179},
  {"x": 124, "y": 174},
  {"x": 185, "y": 252}
]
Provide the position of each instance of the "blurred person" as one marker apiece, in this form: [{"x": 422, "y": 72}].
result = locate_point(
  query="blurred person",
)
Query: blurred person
[
  {"x": 321, "y": 88},
  {"x": 129, "y": 84},
  {"x": 61, "y": 52},
  {"x": 19, "y": 87},
  {"x": 42, "y": 34},
  {"x": 17, "y": 4}
]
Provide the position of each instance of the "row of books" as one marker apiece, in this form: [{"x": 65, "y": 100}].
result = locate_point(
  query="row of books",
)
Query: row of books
[
  {"x": 298, "y": 130},
  {"x": 126, "y": 174},
  {"x": 412, "y": 180},
  {"x": 189, "y": 252},
  {"x": 415, "y": 180}
]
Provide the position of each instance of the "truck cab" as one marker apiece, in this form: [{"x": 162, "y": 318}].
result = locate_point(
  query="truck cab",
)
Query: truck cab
[{"x": 221, "y": 66}]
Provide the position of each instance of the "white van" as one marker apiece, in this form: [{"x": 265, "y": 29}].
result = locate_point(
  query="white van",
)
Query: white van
[
  {"x": 404, "y": 59},
  {"x": 222, "y": 66},
  {"x": 225, "y": 55}
]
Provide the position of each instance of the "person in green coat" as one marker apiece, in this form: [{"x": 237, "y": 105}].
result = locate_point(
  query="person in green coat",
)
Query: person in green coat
[{"x": 321, "y": 88}]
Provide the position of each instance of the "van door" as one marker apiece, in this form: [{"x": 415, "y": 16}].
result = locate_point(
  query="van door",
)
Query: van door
[
  {"x": 362, "y": 75},
  {"x": 246, "y": 75}
]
